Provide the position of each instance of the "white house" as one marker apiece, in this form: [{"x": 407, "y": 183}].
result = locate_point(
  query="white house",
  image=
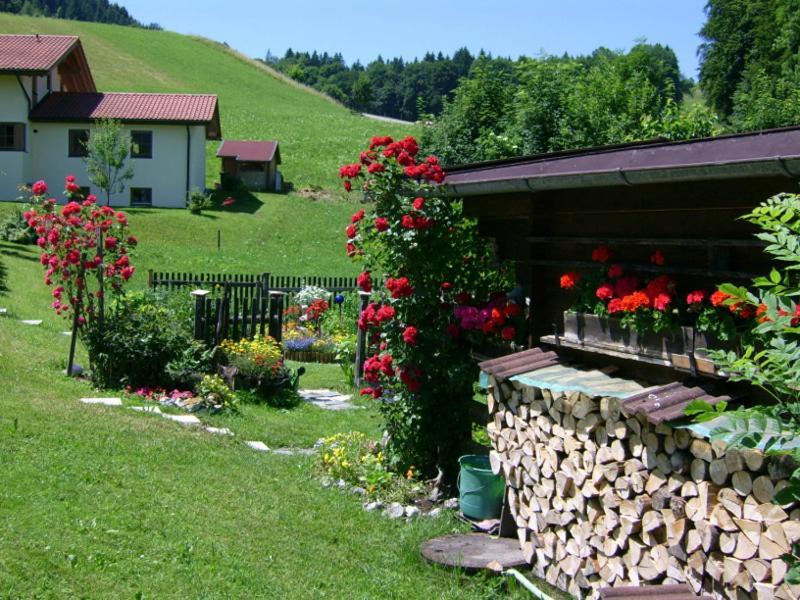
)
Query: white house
[{"x": 48, "y": 102}]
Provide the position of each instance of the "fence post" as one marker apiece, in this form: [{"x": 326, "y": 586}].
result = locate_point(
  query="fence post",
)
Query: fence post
[
  {"x": 361, "y": 341},
  {"x": 276, "y": 315},
  {"x": 199, "y": 313}
]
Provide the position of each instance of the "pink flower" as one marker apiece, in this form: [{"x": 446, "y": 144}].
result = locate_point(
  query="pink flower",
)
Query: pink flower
[
  {"x": 605, "y": 291},
  {"x": 695, "y": 297}
]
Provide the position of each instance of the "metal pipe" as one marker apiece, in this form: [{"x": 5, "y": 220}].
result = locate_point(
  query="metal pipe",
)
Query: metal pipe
[
  {"x": 527, "y": 584},
  {"x": 24, "y": 91},
  {"x": 188, "y": 156}
]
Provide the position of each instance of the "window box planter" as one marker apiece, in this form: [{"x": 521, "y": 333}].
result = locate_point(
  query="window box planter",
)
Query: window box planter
[{"x": 680, "y": 348}]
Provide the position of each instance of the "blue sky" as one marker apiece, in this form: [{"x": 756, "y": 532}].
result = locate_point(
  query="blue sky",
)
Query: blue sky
[{"x": 362, "y": 30}]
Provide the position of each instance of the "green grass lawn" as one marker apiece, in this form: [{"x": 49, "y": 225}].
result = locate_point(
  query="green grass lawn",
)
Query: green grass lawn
[
  {"x": 106, "y": 503},
  {"x": 316, "y": 136}
]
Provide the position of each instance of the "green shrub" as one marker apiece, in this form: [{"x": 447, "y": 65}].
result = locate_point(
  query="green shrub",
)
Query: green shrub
[
  {"x": 15, "y": 229},
  {"x": 215, "y": 392},
  {"x": 145, "y": 340},
  {"x": 197, "y": 202}
]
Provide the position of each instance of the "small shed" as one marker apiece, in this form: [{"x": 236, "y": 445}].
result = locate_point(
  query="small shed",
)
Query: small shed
[{"x": 253, "y": 163}]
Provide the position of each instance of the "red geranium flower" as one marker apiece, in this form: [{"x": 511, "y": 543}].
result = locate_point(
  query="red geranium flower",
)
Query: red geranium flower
[
  {"x": 508, "y": 333},
  {"x": 615, "y": 271},
  {"x": 719, "y": 297},
  {"x": 229, "y": 201},
  {"x": 410, "y": 335},
  {"x": 569, "y": 280},
  {"x": 39, "y": 188},
  {"x": 347, "y": 185},
  {"x": 418, "y": 203},
  {"x": 357, "y": 216},
  {"x": 605, "y": 291},
  {"x": 695, "y": 297},
  {"x": 381, "y": 223},
  {"x": 351, "y": 231},
  {"x": 601, "y": 254}
]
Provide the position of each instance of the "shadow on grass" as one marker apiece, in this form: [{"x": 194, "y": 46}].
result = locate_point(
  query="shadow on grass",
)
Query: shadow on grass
[
  {"x": 244, "y": 201},
  {"x": 22, "y": 251},
  {"x": 280, "y": 399}
]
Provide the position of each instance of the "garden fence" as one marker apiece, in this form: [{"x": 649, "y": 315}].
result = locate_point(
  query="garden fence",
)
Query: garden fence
[{"x": 236, "y": 306}]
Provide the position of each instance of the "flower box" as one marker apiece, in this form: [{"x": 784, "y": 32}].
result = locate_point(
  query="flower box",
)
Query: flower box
[{"x": 675, "y": 348}]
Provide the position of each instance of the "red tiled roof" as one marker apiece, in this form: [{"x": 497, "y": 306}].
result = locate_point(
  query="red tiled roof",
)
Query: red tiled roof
[
  {"x": 33, "y": 52},
  {"x": 248, "y": 151},
  {"x": 153, "y": 108}
]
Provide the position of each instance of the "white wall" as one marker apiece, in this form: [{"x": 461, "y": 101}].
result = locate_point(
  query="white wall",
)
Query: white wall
[
  {"x": 165, "y": 172},
  {"x": 14, "y": 166}
]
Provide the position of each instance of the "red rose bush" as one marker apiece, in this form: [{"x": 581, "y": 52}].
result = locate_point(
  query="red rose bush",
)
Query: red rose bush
[{"x": 436, "y": 293}]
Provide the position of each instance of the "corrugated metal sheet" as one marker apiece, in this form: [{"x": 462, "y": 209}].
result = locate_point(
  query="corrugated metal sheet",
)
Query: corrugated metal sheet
[
  {"x": 659, "y": 404},
  {"x": 519, "y": 362},
  {"x": 651, "y": 592},
  {"x": 668, "y": 402}
]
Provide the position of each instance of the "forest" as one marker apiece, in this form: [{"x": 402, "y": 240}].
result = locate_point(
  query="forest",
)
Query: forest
[
  {"x": 98, "y": 11},
  {"x": 484, "y": 107}
]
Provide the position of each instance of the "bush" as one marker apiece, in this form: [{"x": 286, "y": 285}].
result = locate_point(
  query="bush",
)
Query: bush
[
  {"x": 145, "y": 340},
  {"x": 198, "y": 202},
  {"x": 16, "y": 229},
  {"x": 216, "y": 393}
]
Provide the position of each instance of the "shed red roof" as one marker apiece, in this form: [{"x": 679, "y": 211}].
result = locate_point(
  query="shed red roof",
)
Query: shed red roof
[
  {"x": 249, "y": 151},
  {"x": 34, "y": 53}
]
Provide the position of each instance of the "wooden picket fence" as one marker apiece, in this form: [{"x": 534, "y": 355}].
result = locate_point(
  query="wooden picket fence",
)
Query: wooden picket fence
[{"x": 236, "y": 306}]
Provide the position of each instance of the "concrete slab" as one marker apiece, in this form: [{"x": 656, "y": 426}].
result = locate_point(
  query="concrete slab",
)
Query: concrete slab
[
  {"x": 183, "y": 419},
  {"x": 219, "y": 430},
  {"x": 31, "y": 321},
  {"x": 103, "y": 401},
  {"x": 259, "y": 446},
  {"x": 147, "y": 409}
]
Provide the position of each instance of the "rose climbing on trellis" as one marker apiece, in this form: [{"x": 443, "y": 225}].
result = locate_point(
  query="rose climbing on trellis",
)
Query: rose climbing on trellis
[{"x": 437, "y": 292}]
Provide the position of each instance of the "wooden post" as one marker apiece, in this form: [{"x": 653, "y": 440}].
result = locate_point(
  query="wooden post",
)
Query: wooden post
[
  {"x": 276, "y": 314},
  {"x": 199, "y": 313},
  {"x": 219, "y": 239},
  {"x": 150, "y": 282},
  {"x": 361, "y": 341}
]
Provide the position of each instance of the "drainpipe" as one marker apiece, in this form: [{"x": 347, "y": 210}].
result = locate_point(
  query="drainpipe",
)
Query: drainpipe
[{"x": 188, "y": 158}]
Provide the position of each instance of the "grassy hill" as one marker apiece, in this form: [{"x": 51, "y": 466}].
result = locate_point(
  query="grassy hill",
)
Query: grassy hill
[{"x": 316, "y": 134}]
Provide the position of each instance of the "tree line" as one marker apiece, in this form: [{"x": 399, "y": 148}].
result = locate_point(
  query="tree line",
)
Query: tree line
[
  {"x": 98, "y": 11},
  {"x": 407, "y": 90},
  {"x": 484, "y": 107}
]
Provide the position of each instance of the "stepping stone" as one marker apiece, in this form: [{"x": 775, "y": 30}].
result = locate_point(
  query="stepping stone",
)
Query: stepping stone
[
  {"x": 219, "y": 430},
  {"x": 327, "y": 399},
  {"x": 260, "y": 446},
  {"x": 3, "y": 311},
  {"x": 103, "y": 401},
  {"x": 147, "y": 409},
  {"x": 294, "y": 451},
  {"x": 68, "y": 333},
  {"x": 31, "y": 321},
  {"x": 183, "y": 419}
]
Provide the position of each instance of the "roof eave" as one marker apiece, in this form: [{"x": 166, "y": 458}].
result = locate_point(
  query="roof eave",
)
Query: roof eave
[{"x": 780, "y": 166}]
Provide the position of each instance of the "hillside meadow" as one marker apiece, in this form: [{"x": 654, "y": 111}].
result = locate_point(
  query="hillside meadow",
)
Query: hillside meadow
[{"x": 315, "y": 134}]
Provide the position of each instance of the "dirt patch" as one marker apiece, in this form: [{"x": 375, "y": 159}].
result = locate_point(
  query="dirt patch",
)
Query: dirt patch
[{"x": 315, "y": 193}]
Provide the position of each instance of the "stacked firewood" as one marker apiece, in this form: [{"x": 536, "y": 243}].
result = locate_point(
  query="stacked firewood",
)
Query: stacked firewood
[{"x": 602, "y": 498}]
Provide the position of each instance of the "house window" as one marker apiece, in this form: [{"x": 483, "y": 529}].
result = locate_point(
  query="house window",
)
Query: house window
[
  {"x": 12, "y": 136},
  {"x": 141, "y": 196},
  {"x": 78, "y": 139},
  {"x": 141, "y": 144}
]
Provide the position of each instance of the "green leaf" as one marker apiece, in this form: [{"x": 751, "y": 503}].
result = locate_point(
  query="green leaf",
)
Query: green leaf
[{"x": 775, "y": 276}]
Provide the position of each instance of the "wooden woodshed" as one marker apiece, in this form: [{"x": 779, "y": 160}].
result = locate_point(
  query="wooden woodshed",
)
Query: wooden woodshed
[
  {"x": 546, "y": 213},
  {"x": 253, "y": 163}
]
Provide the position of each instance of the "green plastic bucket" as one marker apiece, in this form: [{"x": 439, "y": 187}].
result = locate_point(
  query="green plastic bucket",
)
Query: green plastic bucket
[{"x": 480, "y": 492}]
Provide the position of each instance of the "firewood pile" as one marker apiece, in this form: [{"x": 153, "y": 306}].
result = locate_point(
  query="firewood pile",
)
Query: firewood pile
[{"x": 604, "y": 498}]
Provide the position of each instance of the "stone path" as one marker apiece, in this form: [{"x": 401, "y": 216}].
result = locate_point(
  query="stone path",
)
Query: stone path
[
  {"x": 193, "y": 421},
  {"x": 327, "y": 399},
  {"x": 31, "y": 321}
]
